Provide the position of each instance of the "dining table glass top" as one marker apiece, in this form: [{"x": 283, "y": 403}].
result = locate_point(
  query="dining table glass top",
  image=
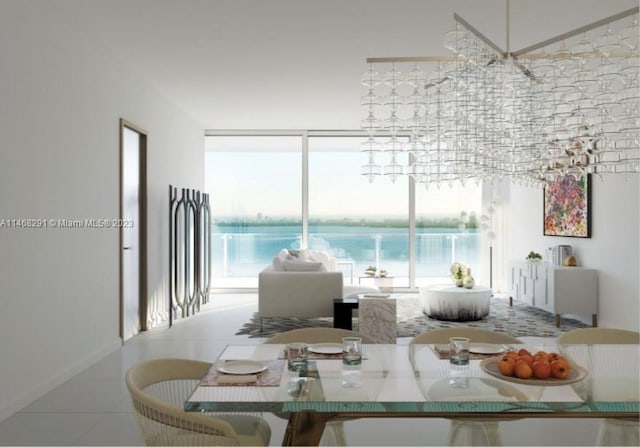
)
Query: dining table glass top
[{"x": 414, "y": 379}]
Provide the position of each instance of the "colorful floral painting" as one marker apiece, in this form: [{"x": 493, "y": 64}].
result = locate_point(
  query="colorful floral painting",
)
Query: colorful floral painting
[{"x": 567, "y": 207}]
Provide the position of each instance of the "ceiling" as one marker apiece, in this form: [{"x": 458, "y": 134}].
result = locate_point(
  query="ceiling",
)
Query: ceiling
[{"x": 296, "y": 64}]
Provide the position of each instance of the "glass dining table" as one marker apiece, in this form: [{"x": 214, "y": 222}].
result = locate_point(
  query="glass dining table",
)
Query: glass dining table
[{"x": 398, "y": 381}]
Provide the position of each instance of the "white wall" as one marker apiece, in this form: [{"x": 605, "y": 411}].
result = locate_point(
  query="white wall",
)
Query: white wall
[
  {"x": 62, "y": 96},
  {"x": 613, "y": 248}
]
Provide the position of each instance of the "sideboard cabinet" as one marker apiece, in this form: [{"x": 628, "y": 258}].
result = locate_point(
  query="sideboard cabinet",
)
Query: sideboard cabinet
[{"x": 556, "y": 289}]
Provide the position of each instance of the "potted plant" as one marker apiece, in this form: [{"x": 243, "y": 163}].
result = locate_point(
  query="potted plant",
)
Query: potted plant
[
  {"x": 370, "y": 271},
  {"x": 534, "y": 257}
]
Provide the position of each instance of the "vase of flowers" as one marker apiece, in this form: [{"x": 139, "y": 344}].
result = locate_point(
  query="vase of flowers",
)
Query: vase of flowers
[{"x": 458, "y": 273}]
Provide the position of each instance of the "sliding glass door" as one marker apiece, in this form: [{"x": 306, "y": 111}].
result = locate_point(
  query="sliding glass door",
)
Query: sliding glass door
[
  {"x": 447, "y": 230},
  {"x": 272, "y": 191},
  {"x": 360, "y": 223}
]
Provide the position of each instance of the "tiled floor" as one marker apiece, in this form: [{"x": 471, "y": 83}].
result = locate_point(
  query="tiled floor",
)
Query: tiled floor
[{"x": 93, "y": 408}]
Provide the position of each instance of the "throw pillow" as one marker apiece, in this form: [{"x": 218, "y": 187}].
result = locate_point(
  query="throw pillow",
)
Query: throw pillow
[
  {"x": 277, "y": 260},
  {"x": 298, "y": 266},
  {"x": 319, "y": 256},
  {"x": 304, "y": 255}
]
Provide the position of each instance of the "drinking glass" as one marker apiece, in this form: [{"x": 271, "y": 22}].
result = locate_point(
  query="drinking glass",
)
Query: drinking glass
[
  {"x": 297, "y": 355},
  {"x": 352, "y": 350},
  {"x": 459, "y": 350}
]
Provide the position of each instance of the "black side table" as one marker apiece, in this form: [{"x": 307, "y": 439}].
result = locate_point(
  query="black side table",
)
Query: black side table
[{"x": 343, "y": 312}]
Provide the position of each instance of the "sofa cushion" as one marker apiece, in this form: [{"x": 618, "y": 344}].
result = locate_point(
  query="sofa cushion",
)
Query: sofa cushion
[
  {"x": 302, "y": 266},
  {"x": 279, "y": 259}
]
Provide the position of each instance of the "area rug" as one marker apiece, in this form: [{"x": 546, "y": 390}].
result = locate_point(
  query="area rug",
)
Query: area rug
[{"x": 520, "y": 320}]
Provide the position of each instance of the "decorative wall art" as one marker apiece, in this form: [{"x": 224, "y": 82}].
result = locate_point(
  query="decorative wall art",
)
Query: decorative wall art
[{"x": 567, "y": 207}]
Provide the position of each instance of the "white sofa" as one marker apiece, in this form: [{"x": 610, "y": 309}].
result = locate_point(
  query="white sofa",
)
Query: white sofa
[
  {"x": 305, "y": 290},
  {"x": 297, "y": 294}
]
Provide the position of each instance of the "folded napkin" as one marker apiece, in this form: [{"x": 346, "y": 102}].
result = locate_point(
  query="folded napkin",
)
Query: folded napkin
[
  {"x": 442, "y": 351},
  {"x": 236, "y": 379},
  {"x": 315, "y": 356}
]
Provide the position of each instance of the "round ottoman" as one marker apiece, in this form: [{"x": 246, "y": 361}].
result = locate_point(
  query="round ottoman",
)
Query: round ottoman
[{"x": 451, "y": 303}]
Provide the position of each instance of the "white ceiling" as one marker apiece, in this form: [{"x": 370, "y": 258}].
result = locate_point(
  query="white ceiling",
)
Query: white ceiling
[{"x": 296, "y": 64}]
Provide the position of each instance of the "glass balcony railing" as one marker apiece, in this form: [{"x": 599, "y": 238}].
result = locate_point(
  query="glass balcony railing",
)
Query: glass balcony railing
[{"x": 239, "y": 257}]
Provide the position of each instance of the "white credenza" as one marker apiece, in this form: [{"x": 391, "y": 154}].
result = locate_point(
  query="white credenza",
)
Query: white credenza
[{"x": 556, "y": 289}]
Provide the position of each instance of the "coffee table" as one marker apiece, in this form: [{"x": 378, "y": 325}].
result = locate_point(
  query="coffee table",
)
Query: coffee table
[{"x": 450, "y": 303}]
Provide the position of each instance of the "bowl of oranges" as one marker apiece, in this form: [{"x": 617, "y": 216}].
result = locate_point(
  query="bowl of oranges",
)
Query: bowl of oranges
[{"x": 534, "y": 368}]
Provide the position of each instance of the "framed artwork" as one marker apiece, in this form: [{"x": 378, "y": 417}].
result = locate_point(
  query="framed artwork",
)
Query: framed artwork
[{"x": 567, "y": 207}]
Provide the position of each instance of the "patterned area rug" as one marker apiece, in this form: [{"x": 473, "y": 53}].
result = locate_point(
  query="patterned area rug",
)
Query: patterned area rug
[{"x": 519, "y": 321}]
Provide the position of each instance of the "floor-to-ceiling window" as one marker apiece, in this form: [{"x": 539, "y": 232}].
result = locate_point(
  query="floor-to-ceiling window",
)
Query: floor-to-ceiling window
[
  {"x": 271, "y": 191},
  {"x": 359, "y": 222},
  {"x": 447, "y": 229},
  {"x": 254, "y": 186}
]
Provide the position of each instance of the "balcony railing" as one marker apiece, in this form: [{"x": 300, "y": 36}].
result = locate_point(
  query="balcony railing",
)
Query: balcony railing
[{"x": 239, "y": 257}]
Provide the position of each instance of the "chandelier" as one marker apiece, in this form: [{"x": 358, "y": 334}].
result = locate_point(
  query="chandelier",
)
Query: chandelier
[{"x": 565, "y": 106}]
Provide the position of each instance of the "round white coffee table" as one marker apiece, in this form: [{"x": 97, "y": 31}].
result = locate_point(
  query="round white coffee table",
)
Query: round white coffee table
[{"x": 451, "y": 303}]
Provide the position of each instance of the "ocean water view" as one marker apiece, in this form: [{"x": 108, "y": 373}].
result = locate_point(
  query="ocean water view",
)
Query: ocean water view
[{"x": 242, "y": 250}]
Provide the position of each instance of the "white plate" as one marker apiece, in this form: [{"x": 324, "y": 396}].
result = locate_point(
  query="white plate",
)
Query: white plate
[
  {"x": 326, "y": 348},
  {"x": 241, "y": 367},
  {"x": 486, "y": 348}
]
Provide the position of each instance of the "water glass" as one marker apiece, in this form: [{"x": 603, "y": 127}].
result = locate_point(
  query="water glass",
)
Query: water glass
[
  {"x": 297, "y": 355},
  {"x": 352, "y": 350},
  {"x": 459, "y": 350}
]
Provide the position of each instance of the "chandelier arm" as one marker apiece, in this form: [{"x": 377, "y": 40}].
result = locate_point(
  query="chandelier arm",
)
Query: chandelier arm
[
  {"x": 576, "y": 31},
  {"x": 394, "y": 59},
  {"x": 479, "y": 35}
]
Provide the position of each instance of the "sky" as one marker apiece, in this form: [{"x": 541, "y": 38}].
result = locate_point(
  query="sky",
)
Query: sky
[{"x": 245, "y": 183}]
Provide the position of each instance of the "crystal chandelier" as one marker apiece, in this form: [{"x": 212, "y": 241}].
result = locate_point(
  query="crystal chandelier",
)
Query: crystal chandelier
[{"x": 565, "y": 106}]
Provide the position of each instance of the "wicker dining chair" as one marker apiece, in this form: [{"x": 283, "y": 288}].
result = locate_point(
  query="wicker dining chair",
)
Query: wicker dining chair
[
  {"x": 334, "y": 430},
  {"x": 158, "y": 390},
  {"x": 441, "y": 336},
  {"x": 614, "y": 431},
  {"x": 599, "y": 336},
  {"x": 469, "y": 431}
]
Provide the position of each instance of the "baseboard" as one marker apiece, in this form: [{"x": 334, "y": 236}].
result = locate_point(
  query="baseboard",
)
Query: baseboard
[{"x": 13, "y": 406}]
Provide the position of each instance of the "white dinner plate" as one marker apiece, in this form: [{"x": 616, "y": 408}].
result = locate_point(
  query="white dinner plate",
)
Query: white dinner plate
[
  {"x": 241, "y": 367},
  {"x": 486, "y": 348},
  {"x": 326, "y": 348}
]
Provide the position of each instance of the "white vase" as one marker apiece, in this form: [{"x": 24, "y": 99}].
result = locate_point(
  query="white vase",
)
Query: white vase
[{"x": 468, "y": 282}]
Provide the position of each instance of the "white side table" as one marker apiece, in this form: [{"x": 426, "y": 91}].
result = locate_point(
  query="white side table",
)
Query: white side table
[{"x": 451, "y": 303}]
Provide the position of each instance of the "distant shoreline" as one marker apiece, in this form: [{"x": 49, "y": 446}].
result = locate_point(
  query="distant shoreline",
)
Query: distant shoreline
[{"x": 387, "y": 223}]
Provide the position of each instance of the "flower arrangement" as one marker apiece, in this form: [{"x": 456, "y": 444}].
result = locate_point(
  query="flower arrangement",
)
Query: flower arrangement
[{"x": 461, "y": 275}]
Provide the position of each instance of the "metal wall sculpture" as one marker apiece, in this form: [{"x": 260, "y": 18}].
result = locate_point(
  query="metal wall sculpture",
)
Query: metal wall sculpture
[{"x": 189, "y": 252}]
